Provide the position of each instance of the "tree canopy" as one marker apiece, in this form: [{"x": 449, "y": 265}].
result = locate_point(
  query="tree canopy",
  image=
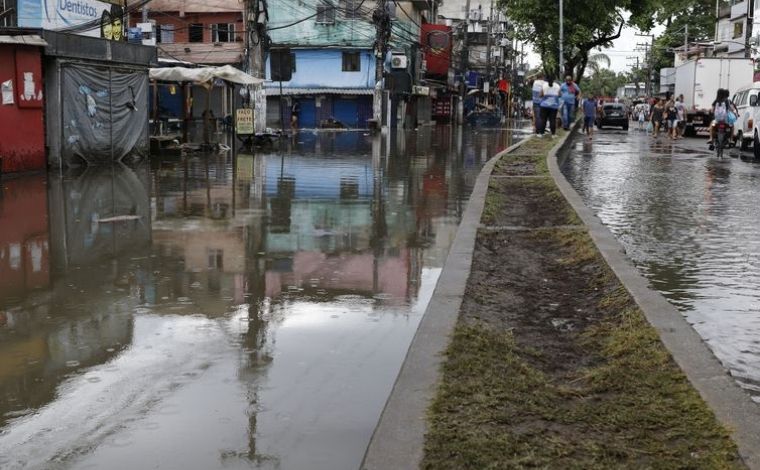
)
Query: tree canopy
[{"x": 593, "y": 24}]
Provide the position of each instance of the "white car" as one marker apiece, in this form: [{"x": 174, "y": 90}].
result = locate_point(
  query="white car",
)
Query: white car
[{"x": 748, "y": 114}]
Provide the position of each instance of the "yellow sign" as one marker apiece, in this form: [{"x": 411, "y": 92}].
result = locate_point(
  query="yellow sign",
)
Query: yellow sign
[{"x": 244, "y": 121}]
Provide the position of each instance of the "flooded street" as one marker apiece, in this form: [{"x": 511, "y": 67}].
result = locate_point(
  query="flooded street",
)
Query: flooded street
[
  {"x": 690, "y": 224},
  {"x": 234, "y": 310}
]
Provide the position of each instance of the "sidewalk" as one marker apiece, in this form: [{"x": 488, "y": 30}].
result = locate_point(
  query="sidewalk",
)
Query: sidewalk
[{"x": 551, "y": 363}]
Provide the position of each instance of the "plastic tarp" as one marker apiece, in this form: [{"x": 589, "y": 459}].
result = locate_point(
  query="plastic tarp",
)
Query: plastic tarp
[
  {"x": 204, "y": 75},
  {"x": 105, "y": 113}
]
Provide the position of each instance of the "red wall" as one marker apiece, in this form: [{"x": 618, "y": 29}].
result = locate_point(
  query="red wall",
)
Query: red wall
[
  {"x": 22, "y": 131},
  {"x": 24, "y": 251}
]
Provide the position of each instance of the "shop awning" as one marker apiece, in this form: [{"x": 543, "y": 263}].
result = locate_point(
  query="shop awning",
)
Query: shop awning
[
  {"x": 26, "y": 39},
  {"x": 203, "y": 75}
]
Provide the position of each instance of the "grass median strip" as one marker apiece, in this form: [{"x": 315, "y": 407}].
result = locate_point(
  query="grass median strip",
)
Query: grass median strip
[{"x": 552, "y": 364}]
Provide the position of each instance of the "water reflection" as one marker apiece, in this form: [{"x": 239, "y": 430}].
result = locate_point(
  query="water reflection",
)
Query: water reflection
[
  {"x": 688, "y": 221},
  {"x": 250, "y": 309}
]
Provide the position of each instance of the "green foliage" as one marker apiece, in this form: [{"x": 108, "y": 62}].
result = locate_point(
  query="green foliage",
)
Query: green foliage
[
  {"x": 588, "y": 25},
  {"x": 604, "y": 82},
  {"x": 593, "y": 24},
  {"x": 699, "y": 15}
]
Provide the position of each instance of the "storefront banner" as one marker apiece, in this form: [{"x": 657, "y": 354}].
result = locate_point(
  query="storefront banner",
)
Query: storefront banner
[{"x": 106, "y": 18}]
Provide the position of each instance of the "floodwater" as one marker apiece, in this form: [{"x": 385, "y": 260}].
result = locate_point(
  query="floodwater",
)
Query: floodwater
[
  {"x": 689, "y": 222},
  {"x": 246, "y": 310}
]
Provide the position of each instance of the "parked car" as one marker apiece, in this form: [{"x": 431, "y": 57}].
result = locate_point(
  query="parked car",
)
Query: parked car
[
  {"x": 742, "y": 135},
  {"x": 613, "y": 114}
]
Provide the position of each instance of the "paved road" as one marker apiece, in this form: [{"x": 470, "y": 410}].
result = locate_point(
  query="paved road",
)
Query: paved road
[{"x": 689, "y": 223}]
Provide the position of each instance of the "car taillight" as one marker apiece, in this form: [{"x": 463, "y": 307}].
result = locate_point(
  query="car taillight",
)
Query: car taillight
[{"x": 750, "y": 124}]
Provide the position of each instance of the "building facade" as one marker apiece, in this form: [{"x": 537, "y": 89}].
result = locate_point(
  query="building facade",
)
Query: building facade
[{"x": 327, "y": 68}]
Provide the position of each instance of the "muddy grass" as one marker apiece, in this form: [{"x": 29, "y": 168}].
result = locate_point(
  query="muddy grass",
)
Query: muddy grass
[{"x": 552, "y": 365}]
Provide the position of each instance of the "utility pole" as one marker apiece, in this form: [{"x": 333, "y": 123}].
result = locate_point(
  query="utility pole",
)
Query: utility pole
[
  {"x": 464, "y": 61},
  {"x": 646, "y": 47},
  {"x": 257, "y": 42},
  {"x": 382, "y": 22},
  {"x": 748, "y": 32},
  {"x": 488, "y": 43},
  {"x": 561, "y": 40},
  {"x": 686, "y": 41}
]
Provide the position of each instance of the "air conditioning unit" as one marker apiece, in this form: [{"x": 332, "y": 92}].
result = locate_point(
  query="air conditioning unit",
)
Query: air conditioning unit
[{"x": 398, "y": 62}]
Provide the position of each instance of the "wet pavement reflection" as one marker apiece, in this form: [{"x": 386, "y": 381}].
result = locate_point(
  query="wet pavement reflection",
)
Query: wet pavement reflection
[
  {"x": 689, "y": 222},
  {"x": 234, "y": 310}
]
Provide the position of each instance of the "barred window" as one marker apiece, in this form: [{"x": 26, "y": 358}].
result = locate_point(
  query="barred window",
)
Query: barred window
[
  {"x": 325, "y": 14},
  {"x": 352, "y": 9}
]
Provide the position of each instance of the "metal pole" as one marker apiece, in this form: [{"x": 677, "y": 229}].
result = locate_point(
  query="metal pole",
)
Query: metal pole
[
  {"x": 748, "y": 32},
  {"x": 686, "y": 42},
  {"x": 488, "y": 44},
  {"x": 561, "y": 39}
]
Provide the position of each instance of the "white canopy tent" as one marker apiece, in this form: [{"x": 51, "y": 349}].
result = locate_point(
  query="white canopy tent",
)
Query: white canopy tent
[{"x": 204, "y": 75}]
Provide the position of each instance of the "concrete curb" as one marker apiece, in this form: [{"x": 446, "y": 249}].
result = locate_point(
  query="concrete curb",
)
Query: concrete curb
[
  {"x": 399, "y": 438},
  {"x": 732, "y": 406}
]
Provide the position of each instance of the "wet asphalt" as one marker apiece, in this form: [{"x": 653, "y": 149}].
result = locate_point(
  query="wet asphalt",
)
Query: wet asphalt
[{"x": 688, "y": 221}]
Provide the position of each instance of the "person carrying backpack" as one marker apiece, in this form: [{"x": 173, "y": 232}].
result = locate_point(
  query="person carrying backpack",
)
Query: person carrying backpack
[{"x": 721, "y": 108}]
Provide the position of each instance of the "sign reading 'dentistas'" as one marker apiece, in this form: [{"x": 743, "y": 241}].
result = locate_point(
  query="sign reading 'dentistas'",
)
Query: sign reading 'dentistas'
[{"x": 103, "y": 18}]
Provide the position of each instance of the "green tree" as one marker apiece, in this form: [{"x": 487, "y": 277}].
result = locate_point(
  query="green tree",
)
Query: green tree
[
  {"x": 588, "y": 25},
  {"x": 699, "y": 15},
  {"x": 605, "y": 82}
]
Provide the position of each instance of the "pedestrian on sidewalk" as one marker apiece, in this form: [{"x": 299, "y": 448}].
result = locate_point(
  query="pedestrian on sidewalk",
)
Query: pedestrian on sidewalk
[
  {"x": 589, "y": 116},
  {"x": 537, "y": 89},
  {"x": 641, "y": 118},
  {"x": 569, "y": 92},
  {"x": 549, "y": 105}
]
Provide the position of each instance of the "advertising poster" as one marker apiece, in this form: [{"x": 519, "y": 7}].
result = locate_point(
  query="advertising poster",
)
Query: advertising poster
[{"x": 91, "y": 17}]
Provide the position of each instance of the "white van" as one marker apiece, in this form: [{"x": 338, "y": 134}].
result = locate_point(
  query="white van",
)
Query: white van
[{"x": 748, "y": 115}]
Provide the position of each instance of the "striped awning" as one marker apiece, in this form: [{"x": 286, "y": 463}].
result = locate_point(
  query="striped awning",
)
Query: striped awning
[{"x": 275, "y": 91}]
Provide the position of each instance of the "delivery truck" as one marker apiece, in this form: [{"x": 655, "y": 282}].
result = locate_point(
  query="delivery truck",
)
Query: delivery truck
[{"x": 699, "y": 80}]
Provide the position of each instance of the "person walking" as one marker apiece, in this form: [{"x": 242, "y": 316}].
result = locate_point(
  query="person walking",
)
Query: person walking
[
  {"x": 655, "y": 117},
  {"x": 589, "y": 116},
  {"x": 549, "y": 106},
  {"x": 641, "y": 118},
  {"x": 672, "y": 116},
  {"x": 295, "y": 110},
  {"x": 569, "y": 92},
  {"x": 680, "y": 117},
  {"x": 537, "y": 89}
]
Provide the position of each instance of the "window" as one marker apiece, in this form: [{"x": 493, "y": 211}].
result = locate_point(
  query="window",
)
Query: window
[
  {"x": 165, "y": 33},
  {"x": 352, "y": 9},
  {"x": 351, "y": 62},
  {"x": 215, "y": 258},
  {"x": 325, "y": 14},
  {"x": 195, "y": 31},
  {"x": 223, "y": 32},
  {"x": 738, "y": 29}
]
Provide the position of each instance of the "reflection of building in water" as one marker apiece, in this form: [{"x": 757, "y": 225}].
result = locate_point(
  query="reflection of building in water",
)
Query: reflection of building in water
[
  {"x": 24, "y": 249},
  {"x": 329, "y": 228},
  {"x": 100, "y": 213}
]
